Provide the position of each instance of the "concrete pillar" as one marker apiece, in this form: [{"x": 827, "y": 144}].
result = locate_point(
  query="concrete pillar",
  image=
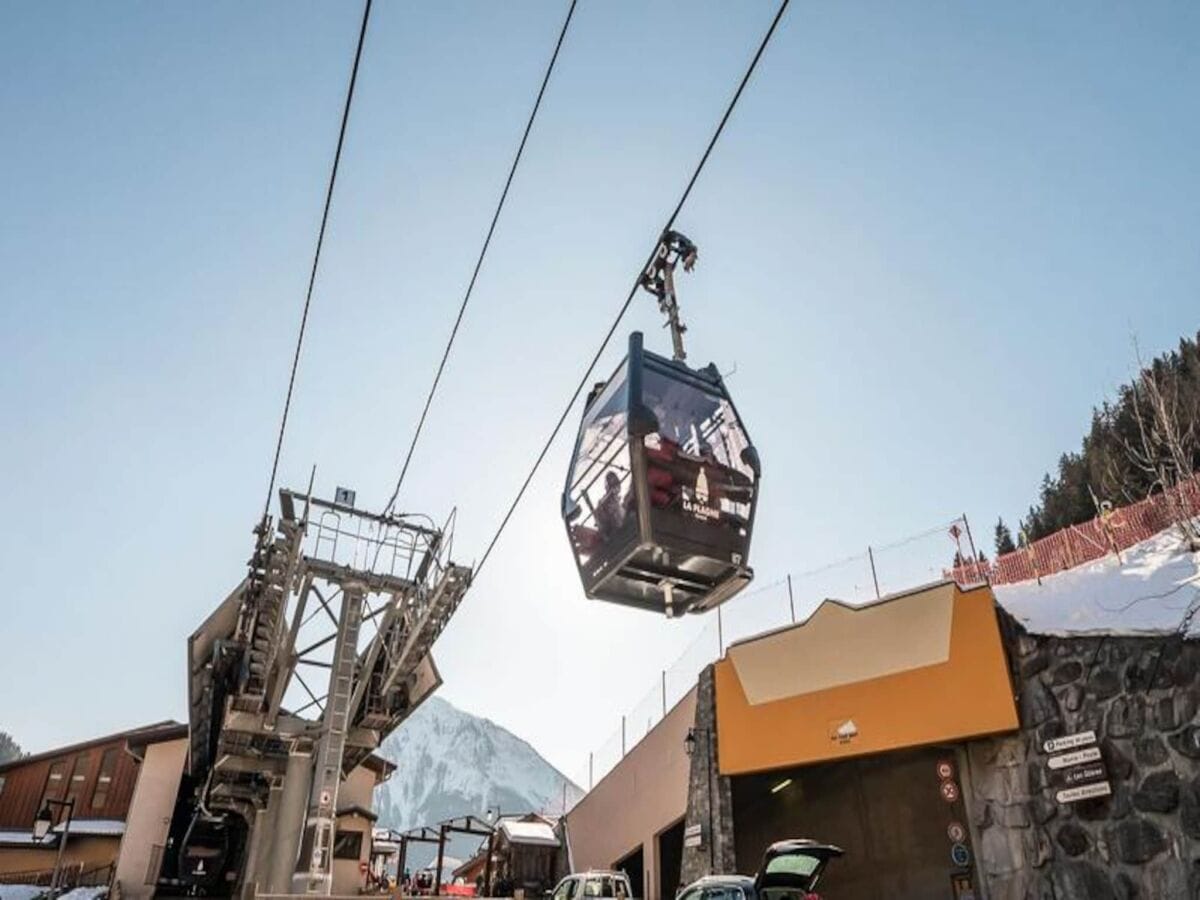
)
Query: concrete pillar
[
  {"x": 710, "y": 798},
  {"x": 289, "y": 823},
  {"x": 260, "y": 846}
]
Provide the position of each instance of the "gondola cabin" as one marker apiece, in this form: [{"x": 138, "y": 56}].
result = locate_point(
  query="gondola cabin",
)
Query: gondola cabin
[{"x": 660, "y": 498}]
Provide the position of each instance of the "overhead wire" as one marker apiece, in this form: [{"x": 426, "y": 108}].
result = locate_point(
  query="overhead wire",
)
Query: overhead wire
[
  {"x": 512, "y": 171},
  {"x": 312, "y": 277},
  {"x": 634, "y": 289}
]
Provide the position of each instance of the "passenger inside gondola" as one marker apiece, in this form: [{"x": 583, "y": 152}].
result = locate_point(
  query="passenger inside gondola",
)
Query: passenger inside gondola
[
  {"x": 610, "y": 511},
  {"x": 685, "y": 469}
]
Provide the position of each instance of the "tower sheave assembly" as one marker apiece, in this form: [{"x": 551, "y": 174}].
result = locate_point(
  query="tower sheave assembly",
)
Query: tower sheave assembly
[
  {"x": 355, "y": 600},
  {"x": 661, "y": 493}
]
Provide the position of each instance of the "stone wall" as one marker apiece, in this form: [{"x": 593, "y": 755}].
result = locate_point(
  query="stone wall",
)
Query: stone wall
[
  {"x": 1140, "y": 696},
  {"x": 710, "y": 798}
]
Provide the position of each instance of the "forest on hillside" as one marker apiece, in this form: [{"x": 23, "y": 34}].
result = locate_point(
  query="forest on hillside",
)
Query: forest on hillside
[{"x": 1142, "y": 441}]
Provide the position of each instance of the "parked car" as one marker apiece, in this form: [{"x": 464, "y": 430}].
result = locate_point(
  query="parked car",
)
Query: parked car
[
  {"x": 593, "y": 884},
  {"x": 790, "y": 870}
]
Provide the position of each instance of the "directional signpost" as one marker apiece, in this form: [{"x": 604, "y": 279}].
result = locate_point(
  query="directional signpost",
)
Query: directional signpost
[
  {"x": 1070, "y": 742},
  {"x": 1077, "y": 767},
  {"x": 1074, "y": 758}
]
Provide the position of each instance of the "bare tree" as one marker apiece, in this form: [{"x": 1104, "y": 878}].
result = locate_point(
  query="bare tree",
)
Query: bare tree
[{"x": 1165, "y": 447}]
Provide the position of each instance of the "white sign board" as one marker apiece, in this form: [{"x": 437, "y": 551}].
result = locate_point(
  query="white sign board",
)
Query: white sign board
[
  {"x": 1083, "y": 792},
  {"x": 1088, "y": 754},
  {"x": 1070, "y": 741},
  {"x": 692, "y": 836}
]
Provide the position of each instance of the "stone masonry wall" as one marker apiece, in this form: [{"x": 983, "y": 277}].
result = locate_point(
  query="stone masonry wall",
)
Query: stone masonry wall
[
  {"x": 710, "y": 798},
  {"x": 1140, "y": 696}
]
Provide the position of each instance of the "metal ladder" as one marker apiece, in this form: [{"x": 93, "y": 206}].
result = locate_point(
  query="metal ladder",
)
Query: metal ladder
[{"x": 317, "y": 870}]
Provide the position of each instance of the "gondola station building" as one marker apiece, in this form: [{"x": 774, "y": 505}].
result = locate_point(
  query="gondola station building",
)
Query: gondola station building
[{"x": 1034, "y": 740}]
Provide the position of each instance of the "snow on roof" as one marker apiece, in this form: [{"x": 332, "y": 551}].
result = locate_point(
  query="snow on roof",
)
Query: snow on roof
[
  {"x": 96, "y": 827},
  {"x": 85, "y": 893},
  {"x": 24, "y": 837},
  {"x": 449, "y": 864},
  {"x": 1148, "y": 592},
  {"x": 536, "y": 833},
  {"x": 21, "y": 891}
]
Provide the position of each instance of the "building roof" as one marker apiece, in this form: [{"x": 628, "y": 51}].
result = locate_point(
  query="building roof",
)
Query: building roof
[
  {"x": 145, "y": 734},
  {"x": 355, "y": 809},
  {"x": 93, "y": 827},
  {"x": 23, "y": 837},
  {"x": 380, "y": 766},
  {"x": 537, "y": 834}
]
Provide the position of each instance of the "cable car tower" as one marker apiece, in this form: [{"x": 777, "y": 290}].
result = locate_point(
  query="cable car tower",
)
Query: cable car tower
[
  {"x": 663, "y": 485},
  {"x": 337, "y": 592}
]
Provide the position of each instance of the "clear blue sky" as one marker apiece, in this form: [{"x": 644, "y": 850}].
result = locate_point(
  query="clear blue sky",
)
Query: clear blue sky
[{"x": 926, "y": 242}]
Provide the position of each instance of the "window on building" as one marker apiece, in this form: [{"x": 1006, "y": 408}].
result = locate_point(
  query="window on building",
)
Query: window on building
[
  {"x": 56, "y": 782},
  {"x": 108, "y": 765},
  {"x": 347, "y": 845},
  {"x": 79, "y": 776},
  {"x": 1, "y": 784}
]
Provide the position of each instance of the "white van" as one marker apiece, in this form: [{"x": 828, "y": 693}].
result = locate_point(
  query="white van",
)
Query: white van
[{"x": 593, "y": 886}]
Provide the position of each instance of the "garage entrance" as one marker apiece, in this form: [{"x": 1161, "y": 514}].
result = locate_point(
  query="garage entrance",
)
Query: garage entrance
[
  {"x": 670, "y": 860},
  {"x": 891, "y": 813},
  {"x": 633, "y": 866}
]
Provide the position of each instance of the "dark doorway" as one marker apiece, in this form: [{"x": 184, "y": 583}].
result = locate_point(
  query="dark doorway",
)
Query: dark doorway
[
  {"x": 887, "y": 812},
  {"x": 670, "y": 860},
  {"x": 633, "y": 865}
]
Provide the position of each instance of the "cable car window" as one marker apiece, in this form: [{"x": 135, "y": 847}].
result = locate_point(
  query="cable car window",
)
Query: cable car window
[
  {"x": 600, "y": 499},
  {"x": 695, "y": 459}
]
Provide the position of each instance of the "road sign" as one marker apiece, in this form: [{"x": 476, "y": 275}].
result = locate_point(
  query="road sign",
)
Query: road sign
[
  {"x": 1078, "y": 775},
  {"x": 960, "y": 855},
  {"x": 693, "y": 836},
  {"x": 949, "y": 791},
  {"x": 1083, "y": 792},
  {"x": 956, "y": 832},
  {"x": 945, "y": 769},
  {"x": 1069, "y": 741},
  {"x": 1064, "y": 760}
]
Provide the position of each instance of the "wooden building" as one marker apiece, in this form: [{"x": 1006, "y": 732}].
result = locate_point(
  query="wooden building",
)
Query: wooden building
[{"x": 99, "y": 776}]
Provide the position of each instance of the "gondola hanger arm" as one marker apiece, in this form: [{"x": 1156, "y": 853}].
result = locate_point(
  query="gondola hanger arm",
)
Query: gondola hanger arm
[{"x": 659, "y": 280}]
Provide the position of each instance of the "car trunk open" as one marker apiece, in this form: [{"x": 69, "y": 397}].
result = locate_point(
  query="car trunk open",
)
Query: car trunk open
[{"x": 790, "y": 866}]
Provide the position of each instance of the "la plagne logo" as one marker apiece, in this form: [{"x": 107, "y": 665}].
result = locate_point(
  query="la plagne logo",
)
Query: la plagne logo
[{"x": 698, "y": 503}]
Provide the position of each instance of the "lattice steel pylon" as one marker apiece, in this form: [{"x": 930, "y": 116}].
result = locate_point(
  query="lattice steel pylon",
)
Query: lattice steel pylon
[{"x": 361, "y": 595}]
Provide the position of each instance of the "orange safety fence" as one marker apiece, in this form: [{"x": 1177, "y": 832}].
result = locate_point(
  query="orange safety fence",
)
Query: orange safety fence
[{"x": 1111, "y": 531}]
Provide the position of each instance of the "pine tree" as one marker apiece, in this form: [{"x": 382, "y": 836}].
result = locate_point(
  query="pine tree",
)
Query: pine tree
[
  {"x": 1112, "y": 461},
  {"x": 9, "y": 748},
  {"x": 1004, "y": 539}
]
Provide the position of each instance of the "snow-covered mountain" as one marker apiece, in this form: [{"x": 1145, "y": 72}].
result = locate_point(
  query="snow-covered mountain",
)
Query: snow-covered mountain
[{"x": 451, "y": 763}]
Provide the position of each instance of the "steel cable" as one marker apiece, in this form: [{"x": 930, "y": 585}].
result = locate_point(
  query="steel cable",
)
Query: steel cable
[
  {"x": 482, "y": 253},
  {"x": 312, "y": 277},
  {"x": 633, "y": 290}
]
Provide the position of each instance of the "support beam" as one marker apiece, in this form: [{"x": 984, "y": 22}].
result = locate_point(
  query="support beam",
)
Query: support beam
[
  {"x": 293, "y": 800},
  {"x": 258, "y": 851},
  {"x": 437, "y": 876}
]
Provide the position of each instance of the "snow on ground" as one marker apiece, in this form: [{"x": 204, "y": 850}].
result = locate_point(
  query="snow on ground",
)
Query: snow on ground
[
  {"x": 84, "y": 893},
  {"x": 1149, "y": 592},
  {"x": 29, "y": 892},
  {"x": 20, "y": 891}
]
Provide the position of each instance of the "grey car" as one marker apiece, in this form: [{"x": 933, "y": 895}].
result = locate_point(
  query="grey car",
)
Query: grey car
[{"x": 790, "y": 870}]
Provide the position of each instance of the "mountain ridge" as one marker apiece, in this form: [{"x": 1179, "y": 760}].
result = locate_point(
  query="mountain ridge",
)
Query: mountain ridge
[{"x": 450, "y": 762}]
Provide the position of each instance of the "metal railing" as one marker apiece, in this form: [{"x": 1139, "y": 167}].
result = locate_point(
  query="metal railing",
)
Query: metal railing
[{"x": 1114, "y": 530}]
